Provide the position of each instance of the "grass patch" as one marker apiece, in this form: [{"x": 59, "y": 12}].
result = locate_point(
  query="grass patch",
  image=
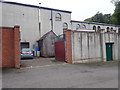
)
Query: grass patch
[{"x": 54, "y": 60}]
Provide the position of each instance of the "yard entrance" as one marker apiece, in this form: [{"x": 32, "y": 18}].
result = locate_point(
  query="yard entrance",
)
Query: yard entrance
[
  {"x": 39, "y": 62},
  {"x": 60, "y": 49}
]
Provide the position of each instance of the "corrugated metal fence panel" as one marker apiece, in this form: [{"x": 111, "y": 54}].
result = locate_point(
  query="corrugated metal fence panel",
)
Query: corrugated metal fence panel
[{"x": 60, "y": 50}]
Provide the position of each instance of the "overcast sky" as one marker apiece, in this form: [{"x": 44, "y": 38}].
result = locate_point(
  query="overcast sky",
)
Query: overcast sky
[{"x": 81, "y": 9}]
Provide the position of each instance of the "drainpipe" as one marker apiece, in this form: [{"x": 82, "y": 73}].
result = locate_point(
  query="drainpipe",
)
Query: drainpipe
[
  {"x": 39, "y": 20},
  {"x": 51, "y": 20}
]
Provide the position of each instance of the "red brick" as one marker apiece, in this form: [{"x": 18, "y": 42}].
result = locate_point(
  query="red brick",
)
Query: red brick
[
  {"x": 10, "y": 47},
  {"x": 68, "y": 46}
]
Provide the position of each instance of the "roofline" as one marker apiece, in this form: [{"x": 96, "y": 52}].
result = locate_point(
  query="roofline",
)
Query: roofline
[
  {"x": 95, "y": 23},
  {"x": 45, "y": 35},
  {"x": 34, "y": 6}
]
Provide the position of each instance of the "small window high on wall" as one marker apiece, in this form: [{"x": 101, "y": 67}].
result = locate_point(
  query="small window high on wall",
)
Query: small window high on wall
[
  {"x": 84, "y": 26},
  {"x": 58, "y": 17},
  {"x": 118, "y": 30},
  {"x": 108, "y": 29},
  {"x": 98, "y": 28},
  {"x": 77, "y": 26},
  {"x": 94, "y": 28},
  {"x": 65, "y": 26}
]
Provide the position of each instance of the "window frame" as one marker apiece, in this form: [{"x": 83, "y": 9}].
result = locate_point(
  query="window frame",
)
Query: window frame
[
  {"x": 64, "y": 26},
  {"x": 58, "y": 17},
  {"x": 78, "y": 26}
]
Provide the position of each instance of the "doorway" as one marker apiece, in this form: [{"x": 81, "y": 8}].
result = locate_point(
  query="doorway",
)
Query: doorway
[
  {"x": 109, "y": 51},
  {"x": 24, "y": 45}
]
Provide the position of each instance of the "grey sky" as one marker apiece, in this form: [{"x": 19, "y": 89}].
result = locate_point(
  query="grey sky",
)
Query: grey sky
[{"x": 81, "y": 9}]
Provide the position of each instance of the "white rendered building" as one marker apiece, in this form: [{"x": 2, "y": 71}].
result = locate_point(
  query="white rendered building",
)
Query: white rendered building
[{"x": 35, "y": 21}]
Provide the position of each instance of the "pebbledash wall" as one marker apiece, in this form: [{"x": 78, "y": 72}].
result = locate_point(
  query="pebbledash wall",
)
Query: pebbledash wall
[{"x": 90, "y": 46}]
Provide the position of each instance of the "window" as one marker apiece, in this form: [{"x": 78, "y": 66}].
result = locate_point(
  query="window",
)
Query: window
[
  {"x": 94, "y": 28},
  {"x": 58, "y": 17},
  {"x": 118, "y": 30},
  {"x": 108, "y": 29},
  {"x": 77, "y": 26},
  {"x": 84, "y": 26},
  {"x": 65, "y": 26},
  {"x": 98, "y": 28},
  {"x": 25, "y": 45}
]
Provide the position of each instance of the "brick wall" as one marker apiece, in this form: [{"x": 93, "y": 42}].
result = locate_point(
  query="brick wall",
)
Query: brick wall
[
  {"x": 10, "y": 47},
  {"x": 68, "y": 46}
]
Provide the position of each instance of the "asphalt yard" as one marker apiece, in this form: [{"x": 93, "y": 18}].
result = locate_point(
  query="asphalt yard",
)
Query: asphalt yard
[
  {"x": 37, "y": 62},
  {"x": 63, "y": 75}
]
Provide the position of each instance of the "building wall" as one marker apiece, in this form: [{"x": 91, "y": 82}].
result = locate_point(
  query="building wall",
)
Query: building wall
[
  {"x": 92, "y": 46},
  {"x": 25, "y": 17},
  {"x": 111, "y": 38},
  {"x": 89, "y": 26},
  {"x": 0, "y": 34},
  {"x": 58, "y": 25},
  {"x": 34, "y": 24},
  {"x": 46, "y": 23},
  {"x": 28, "y": 18}
]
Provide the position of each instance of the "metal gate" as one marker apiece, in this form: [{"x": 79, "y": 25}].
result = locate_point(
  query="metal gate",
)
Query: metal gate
[{"x": 60, "y": 48}]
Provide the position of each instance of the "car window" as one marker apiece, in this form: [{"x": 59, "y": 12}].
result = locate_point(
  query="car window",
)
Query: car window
[{"x": 26, "y": 50}]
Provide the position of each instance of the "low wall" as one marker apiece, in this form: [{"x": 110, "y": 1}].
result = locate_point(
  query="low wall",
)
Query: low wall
[
  {"x": 10, "y": 47},
  {"x": 91, "y": 46},
  {"x": 85, "y": 46}
]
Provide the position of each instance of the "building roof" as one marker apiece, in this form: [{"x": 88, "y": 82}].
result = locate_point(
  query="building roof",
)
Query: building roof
[
  {"x": 95, "y": 23},
  {"x": 34, "y": 6},
  {"x": 45, "y": 35}
]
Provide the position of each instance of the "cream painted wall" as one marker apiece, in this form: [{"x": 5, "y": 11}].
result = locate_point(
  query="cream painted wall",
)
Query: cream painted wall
[
  {"x": 25, "y": 17},
  {"x": 46, "y": 26},
  {"x": 90, "y": 26}
]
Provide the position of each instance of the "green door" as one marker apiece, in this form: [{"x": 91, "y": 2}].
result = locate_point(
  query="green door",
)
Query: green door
[{"x": 109, "y": 54}]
